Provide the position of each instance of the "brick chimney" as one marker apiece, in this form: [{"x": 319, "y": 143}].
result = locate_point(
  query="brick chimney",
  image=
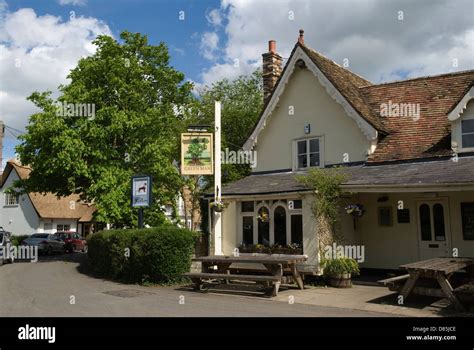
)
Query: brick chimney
[
  {"x": 272, "y": 67},
  {"x": 2, "y": 131}
]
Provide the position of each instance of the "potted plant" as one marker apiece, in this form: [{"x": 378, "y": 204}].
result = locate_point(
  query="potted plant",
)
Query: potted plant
[{"x": 339, "y": 271}]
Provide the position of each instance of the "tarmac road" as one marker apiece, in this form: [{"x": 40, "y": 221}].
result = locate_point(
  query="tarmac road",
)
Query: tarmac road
[{"x": 54, "y": 287}]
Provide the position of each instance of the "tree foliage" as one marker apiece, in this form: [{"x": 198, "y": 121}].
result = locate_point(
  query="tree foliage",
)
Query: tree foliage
[
  {"x": 242, "y": 102},
  {"x": 136, "y": 94},
  {"x": 326, "y": 184}
]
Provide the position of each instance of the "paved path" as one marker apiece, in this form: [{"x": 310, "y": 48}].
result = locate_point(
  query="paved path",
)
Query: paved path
[{"x": 54, "y": 287}]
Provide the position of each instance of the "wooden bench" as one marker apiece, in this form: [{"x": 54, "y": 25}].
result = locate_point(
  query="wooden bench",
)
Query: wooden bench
[
  {"x": 394, "y": 284},
  {"x": 198, "y": 277}
]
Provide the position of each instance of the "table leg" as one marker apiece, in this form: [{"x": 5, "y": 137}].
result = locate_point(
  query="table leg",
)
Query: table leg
[
  {"x": 205, "y": 267},
  {"x": 448, "y": 291},
  {"x": 297, "y": 276},
  {"x": 224, "y": 268},
  {"x": 409, "y": 284},
  {"x": 275, "y": 270}
]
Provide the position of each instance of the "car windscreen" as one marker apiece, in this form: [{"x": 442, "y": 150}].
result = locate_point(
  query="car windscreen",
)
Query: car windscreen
[
  {"x": 39, "y": 236},
  {"x": 1, "y": 237}
]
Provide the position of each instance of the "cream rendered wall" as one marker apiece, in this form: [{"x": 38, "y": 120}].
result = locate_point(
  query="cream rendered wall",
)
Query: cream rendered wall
[
  {"x": 313, "y": 105},
  {"x": 390, "y": 247}
]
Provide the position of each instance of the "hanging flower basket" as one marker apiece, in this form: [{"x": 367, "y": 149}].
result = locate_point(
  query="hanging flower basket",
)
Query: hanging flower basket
[
  {"x": 218, "y": 206},
  {"x": 356, "y": 210},
  {"x": 263, "y": 216}
]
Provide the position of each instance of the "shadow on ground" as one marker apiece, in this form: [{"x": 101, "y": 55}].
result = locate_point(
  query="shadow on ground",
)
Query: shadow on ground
[
  {"x": 440, "y": 307},
  {"x": 235, "y": 288}
]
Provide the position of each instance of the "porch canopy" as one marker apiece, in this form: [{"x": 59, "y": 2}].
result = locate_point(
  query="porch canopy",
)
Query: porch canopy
[{"x": 433, "y": 175}]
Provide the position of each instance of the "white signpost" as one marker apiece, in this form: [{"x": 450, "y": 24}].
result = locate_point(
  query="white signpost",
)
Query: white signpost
[{"x": 217, "y": 180}]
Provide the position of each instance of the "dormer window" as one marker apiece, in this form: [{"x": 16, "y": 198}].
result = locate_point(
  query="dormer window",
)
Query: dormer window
[
  {"x": 462, "y": 127},
  {"x": 308, "y": 153},
  {"x": 467, "y": 133}
]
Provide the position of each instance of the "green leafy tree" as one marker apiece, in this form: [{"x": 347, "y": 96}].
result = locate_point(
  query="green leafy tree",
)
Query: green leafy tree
[
  {"x": 242, "y": 103},
  {"x": 137, "y": 97}
]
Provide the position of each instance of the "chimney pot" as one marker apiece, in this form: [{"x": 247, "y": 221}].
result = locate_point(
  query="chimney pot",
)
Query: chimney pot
[
  {"x": 301, "y": 37},
  {"x": 272, "y": 46}
]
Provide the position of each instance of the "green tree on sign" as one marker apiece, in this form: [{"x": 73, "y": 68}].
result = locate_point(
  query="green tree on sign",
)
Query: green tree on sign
[{"x": 196, "y": 148}]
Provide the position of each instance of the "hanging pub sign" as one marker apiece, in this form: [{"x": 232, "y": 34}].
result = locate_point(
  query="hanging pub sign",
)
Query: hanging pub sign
[
  {"x": 196, "y": 154},
  {"x": 141, "y": 191}
]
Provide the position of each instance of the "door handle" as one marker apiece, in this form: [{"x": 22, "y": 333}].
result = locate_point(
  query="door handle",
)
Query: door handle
[{"x": 433, "y": 245}]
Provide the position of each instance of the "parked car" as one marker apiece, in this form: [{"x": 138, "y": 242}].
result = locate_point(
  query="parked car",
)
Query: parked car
[
  {"x": 47, "y": 243},
  {"x": 4, "y": 244},
  {"x": 72, "y": 241}
]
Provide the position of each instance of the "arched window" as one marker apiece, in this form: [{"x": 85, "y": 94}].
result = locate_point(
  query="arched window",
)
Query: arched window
[
  {"x": 263, "y": 226},
  {"x": 425, "y": 222},
  {"x": 438, "y": 222},
  {"x": 279, "y": 220}
]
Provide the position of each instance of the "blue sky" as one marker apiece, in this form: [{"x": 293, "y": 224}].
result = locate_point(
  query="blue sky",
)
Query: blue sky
[
  {"x": 159, "y": 19},
  {"x": 381, "y": 40}
]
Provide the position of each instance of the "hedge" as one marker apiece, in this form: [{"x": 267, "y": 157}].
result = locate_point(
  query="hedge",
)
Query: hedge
[
  {"x": 153, "y": 255},
  {"x": 16, "y": 240}
]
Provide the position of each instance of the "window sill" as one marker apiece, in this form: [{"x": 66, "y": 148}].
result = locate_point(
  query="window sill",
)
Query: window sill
[
  {"x": 10, "y": 206},
  {"x": 465, "y": 150}
]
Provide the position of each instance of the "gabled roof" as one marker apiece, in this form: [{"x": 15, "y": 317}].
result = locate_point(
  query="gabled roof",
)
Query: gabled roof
[
  {"x": 399, "y": 138},
  {"x": 341, "y": 84},
  {"x": 48, "y": 205},
  {"x": 347, "y": 83}
]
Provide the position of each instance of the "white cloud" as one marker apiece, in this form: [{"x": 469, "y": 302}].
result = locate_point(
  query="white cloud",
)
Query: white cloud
[
  {"x": 367, "y": 32},
  {"x": 209, "y": 45},
  {"x": 36, "y": 54},
  {"x": 73, "y": 2},
  {"x": 214, "y": 17}
]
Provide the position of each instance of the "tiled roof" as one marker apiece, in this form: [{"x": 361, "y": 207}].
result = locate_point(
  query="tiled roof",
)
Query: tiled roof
[
  {"x": 48, "y": 205},
  {"x": 430, "y": 135},
  {"x": 444, "y": 172}
]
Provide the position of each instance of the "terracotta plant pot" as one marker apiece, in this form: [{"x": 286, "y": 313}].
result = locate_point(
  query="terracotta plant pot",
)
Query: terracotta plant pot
[{"x": 342, "y": 280}]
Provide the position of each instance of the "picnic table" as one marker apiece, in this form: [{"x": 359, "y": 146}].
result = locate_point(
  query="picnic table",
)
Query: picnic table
[
  {"x": 274, "y": 264},
  {"x": 438, "y": 270}
]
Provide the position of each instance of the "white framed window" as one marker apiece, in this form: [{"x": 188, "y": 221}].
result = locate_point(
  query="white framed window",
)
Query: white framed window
[
  {"x": 467, "y": 133},
  {"x": 60, "y": 228},
  {"x": 11, "y": 199},
  {"x": 462, "y": 134},
  {"x": 271, "y": 222},
  {"x": 308, "y": 153}
]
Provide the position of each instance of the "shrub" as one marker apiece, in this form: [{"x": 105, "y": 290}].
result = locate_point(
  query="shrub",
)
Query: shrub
[
  {"x": 16, "y": 240},
  {"x": 153, "y": 255},
  {"x": 340, "y": 266}
]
